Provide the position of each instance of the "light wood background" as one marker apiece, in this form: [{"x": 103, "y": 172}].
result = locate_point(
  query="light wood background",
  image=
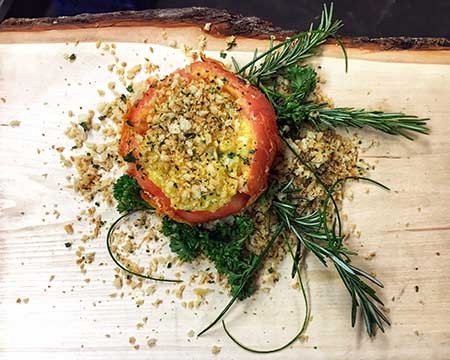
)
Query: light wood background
[{"x": 67, "y": 318}]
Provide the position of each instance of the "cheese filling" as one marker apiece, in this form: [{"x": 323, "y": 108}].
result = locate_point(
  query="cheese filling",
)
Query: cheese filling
[{"x": 198, "y": 146}]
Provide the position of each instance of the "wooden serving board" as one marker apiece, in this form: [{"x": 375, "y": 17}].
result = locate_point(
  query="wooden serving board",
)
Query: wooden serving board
[{"x": 68, "y": 318}]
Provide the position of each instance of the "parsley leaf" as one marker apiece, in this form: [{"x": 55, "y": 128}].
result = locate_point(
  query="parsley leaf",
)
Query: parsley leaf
[
  {"x": 184, "y": 239},
  {"x": 303, "y": 80},
  {"x": 130, "y": 157},
  {"x": 127, "y": 192},
  {"x": 224, "y": 245}
]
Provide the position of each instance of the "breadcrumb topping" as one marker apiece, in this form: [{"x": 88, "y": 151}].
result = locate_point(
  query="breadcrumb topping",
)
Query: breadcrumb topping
[{"x": 198, "y": 146}]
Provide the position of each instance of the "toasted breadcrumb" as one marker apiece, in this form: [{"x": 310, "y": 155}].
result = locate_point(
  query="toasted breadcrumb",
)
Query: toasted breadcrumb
[
  {"x": 69, "y": 229},
  {"x": 134, "y": 71},
  {"x": 14, "y": 123},
  {"x": 151, "y": 342},
  {"x": 215, "y": 349}
]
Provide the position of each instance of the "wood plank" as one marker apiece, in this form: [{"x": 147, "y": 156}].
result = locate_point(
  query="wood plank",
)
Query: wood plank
[{"x": 409, "y": 228}]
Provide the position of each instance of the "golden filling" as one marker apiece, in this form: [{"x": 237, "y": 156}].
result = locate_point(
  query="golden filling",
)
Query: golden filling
[{"x": 198, "y": 146}]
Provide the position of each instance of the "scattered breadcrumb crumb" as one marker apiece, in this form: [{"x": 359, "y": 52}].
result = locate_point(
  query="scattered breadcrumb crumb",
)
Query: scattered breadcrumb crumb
[
  {"x": 215, "y": 349},
  {"x": 202, "y": 292},
  {"x": 118, "y": 282},
  {"x": 70, "y": 57},
  {"x": 201, "y": 42},
  {"x": 151, "y": 342},
  {"x": 134, "y": 71},
  {"x": 231, "y": 42},
  {"x": 179, "y": 291},
  {"x": 69, "y": 229},
  {"x": 132, "y": 340},
  {"x": 14, "y": 123},
  {"x": 303, "y": 338}
]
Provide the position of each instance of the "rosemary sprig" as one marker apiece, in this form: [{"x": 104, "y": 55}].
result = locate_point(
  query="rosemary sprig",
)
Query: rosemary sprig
[
  {"x": 389, "y": 123},
  {"x": 292, "y": 50},
  {"x": 314, "y": 234},
  {"x": 292, "y": 110}
]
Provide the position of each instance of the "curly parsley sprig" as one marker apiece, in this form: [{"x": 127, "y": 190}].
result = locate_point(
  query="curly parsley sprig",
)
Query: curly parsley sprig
[{"x": 223, "y": 244}]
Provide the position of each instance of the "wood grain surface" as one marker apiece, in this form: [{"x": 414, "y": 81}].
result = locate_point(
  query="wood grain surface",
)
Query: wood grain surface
[{"x": 67, "y": 317}]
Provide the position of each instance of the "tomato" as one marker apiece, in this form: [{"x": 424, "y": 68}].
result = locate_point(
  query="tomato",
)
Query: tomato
[{"x": 255, "y": 108}]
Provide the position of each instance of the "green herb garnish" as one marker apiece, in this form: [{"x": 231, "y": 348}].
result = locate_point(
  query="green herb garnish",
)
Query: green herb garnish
[
  {"x": 85, "y": 126},
  {"x": 290, "y": 51},
  {"x": 223, "y": 245},
  {"x": 127, "y": 192},
  {"x": 313, "y": 232},
  {"x": 130, "y": 158},
  {"x": 293, "y": 107}
]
